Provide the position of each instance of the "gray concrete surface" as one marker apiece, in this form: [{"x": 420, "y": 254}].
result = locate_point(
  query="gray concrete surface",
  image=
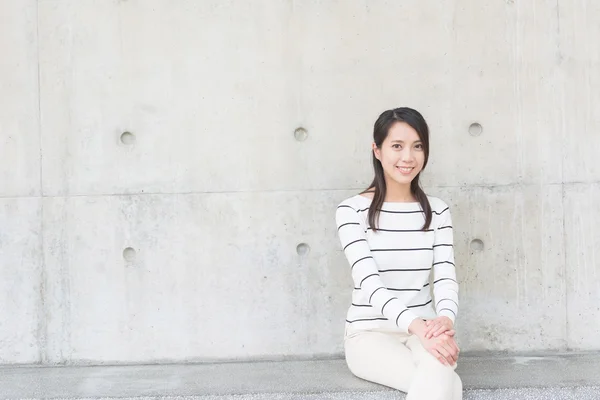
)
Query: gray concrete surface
[
  {"x": 21, "y": 279},
  {"x": 215, "y": 194},
  {"x": 20, "y": 160},
  {"x": 585, "y": 393},
  {"x": 483, "y": 377},
  {"x": 177, "y": 300}
]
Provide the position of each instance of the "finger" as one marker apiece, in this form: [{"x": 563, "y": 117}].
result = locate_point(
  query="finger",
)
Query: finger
[
  {"x": 451, "y": 352},
  {"x": 430, "y": 332},
  {"x": 451, "y": 332},
  {"x": 432, "y": 329},
  {"x": 441, "y": 329},
  {"x": 432, "y": 326},
  {"x": 454, "y": 346},
  {"x": 457, "y": 349},
  {"x": 427, "y": 329},
  {"x": 445, "y": 354},
  {"x": 439, "y": 356}
]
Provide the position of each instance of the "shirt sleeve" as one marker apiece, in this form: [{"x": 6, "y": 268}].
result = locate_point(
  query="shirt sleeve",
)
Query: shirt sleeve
[
  {"x": 352, "y": 235},
  {"x": 445, "y": 285}
]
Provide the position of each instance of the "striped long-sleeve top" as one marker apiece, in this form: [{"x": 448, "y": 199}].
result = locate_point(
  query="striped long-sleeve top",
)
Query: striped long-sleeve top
[{"x": 391, "y": 268}]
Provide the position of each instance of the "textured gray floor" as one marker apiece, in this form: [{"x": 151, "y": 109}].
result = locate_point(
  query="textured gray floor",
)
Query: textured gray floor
[
  {"x": 475, "y": 394},
  {"x": 574, "y": 376}
]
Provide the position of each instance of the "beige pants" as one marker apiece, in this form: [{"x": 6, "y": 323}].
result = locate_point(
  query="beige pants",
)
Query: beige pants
[{"x": 400, "y": 362}]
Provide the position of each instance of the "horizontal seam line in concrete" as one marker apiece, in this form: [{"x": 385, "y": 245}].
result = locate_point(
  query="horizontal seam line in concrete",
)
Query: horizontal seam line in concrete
[
  {"x": 511, "y": 185},
  {"x": 477, "y": 354}
]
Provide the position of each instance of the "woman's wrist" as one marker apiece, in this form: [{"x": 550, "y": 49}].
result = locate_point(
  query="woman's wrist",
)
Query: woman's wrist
[{"x": 417, "y": 327}]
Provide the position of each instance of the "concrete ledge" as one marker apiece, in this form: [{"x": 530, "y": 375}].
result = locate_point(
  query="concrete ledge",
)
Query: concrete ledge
[{"x": 572, "y": 376}]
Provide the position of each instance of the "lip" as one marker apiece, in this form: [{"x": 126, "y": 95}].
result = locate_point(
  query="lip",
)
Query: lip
[{"x": 405, "y": 170}]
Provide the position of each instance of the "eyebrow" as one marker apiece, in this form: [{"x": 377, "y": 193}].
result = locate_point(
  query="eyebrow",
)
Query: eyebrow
[{"x": 402, "y": 141}]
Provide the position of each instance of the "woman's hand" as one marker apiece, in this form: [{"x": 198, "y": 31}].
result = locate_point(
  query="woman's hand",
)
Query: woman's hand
[
  {"x": 436, "y": 327},
  {"x": 442, "y": 347}
]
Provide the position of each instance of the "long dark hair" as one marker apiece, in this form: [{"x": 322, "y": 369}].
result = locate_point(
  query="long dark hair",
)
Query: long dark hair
[{"x": 380, "y": 133}]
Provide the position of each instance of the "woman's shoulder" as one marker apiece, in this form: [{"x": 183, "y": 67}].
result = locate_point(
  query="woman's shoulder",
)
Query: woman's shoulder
[
  {"x": 358, "y": 202},
  {"x": 438, "y": 205}
]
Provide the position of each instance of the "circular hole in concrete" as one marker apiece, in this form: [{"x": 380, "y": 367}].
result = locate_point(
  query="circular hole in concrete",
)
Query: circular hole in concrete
[
  {"x": 129, "y": 254},
  {"x": 475, "y": 129},
  {"x": 301, "y": 134},
  {"x": 477, "y": 245},
  {"x": 127, "y": 138},
  {"x": 303, "y": 249}
]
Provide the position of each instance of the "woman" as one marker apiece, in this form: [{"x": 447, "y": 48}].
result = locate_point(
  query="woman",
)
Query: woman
[{"x": 394, "y": 237}]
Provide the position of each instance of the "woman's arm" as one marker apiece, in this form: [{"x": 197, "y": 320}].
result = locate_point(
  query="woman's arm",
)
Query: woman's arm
[
  {"x": 352, "y": 235},
  {"x": 445, "y": 285}
]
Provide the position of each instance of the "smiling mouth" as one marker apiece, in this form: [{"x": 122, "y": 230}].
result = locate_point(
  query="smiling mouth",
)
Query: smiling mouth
[{"x": 405, "y": 170}]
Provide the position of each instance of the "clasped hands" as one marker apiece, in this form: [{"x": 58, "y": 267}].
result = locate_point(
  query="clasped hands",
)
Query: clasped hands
[{"x": 437, "y": 337}]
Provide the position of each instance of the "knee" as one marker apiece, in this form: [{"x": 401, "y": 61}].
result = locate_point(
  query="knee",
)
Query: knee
[
  {"x": 458, "y": 387},
  {"x": 429, "y": 360}
]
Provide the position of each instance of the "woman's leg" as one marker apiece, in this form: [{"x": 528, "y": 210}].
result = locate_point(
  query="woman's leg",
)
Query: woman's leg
[
  {"x": 432, "y": 380},
  {"x": 381, "y": 358},
  {"x": 458, "y": 387}
]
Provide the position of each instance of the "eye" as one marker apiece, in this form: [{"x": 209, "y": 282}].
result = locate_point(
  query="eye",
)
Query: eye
[
  {"x": 419, "y": 146},
  {"x": 396, "y": 146}
]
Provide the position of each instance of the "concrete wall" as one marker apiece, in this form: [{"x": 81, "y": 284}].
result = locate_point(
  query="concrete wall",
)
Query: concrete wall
[{"x": 181, "y": 242}]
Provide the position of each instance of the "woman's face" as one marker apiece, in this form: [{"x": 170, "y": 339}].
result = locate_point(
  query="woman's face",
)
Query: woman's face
[{"x": 401, "y": 154}]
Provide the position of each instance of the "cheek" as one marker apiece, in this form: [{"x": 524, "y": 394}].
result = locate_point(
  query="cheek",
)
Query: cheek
[
  {"x": 386, "y": 158},
  {"x": 389, "y": 163},
  {"x": 393, "y": 160}
]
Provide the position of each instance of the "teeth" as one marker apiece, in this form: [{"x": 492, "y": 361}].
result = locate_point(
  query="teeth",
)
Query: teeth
[{"x": 405, "y": 169}]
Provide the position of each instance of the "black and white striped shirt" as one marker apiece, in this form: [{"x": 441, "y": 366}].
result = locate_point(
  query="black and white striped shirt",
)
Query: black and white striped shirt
[{"x": 391, "y": 268}]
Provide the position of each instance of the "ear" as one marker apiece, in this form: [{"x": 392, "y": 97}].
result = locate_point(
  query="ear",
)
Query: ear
[{"x": 376, "y": 151}]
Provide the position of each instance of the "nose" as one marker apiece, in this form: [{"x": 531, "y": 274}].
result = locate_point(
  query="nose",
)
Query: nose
[{"x": 406, "y": 155}]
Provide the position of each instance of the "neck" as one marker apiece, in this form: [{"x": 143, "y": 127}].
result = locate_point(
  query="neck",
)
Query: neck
[{"x": 396, "y": 192}]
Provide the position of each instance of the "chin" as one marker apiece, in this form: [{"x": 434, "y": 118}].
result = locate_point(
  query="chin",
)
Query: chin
[{"x": 404, "y": 180}]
